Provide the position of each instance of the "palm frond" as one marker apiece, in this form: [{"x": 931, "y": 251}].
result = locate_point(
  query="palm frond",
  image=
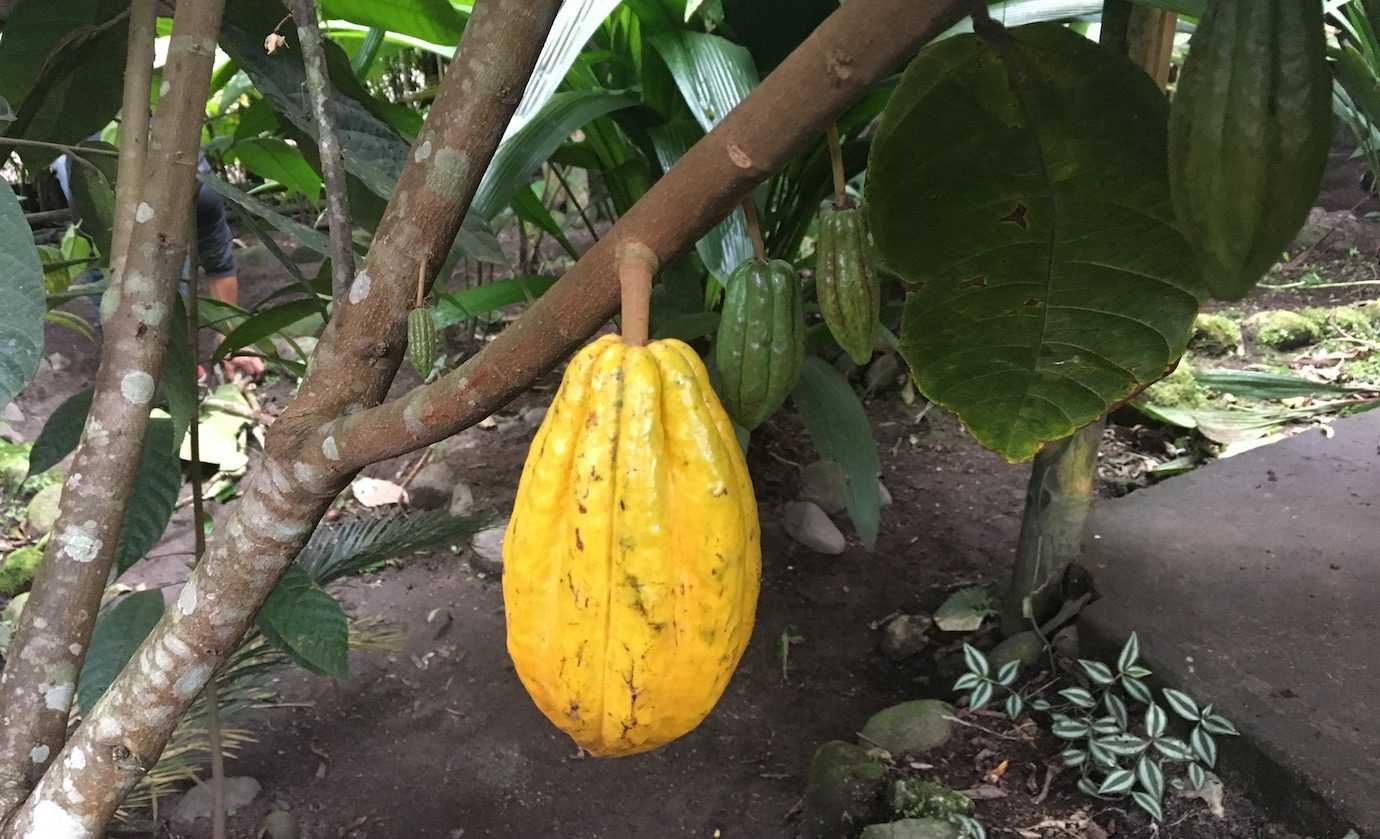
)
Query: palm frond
[{"x": 340, "y": 550}]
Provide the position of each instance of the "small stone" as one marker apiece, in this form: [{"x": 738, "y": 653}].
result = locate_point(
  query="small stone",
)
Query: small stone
[
  {"x": 807, "y": 524},
  {"x": 1025, "y": 647},
  {"x": 910, "y": 727},
  {"x": 42, "y": 512},
  {"x": 843, "y": 790},
  {"x": 912, "y": 829},
  {"x": 883, "y": 494},
  {"x": 432, "y": 487},
  {"x": 825, "y": 483},
  {"x": 279, "y": 824},
  {"x": 882, "y": 373},
  {"x": 461, "y": 500},
  {"x": 1066, "y": 642},
  {"x": 195, "y": 804},
  {"x": 13, "y": 414},
  {"x": 532, "y": 416},
  {"x": 905, "y": 636},
  {"x": 486, "y": 550}
]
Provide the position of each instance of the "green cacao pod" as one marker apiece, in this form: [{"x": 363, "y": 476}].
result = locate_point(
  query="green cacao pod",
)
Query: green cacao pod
[
  {"x": 1249, "y": 134},
  {"x": 850, "y": 297},
  {"x": 421, "y": 340},
  {"x": 761, "y": 341}
]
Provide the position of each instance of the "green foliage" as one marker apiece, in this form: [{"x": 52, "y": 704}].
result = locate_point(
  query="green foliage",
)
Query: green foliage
[
  {"x": 436, "y": 21},
  {"x": 1215, "y": 334},
  {"x": 93, "y": 194},
  {"x": 21, "y": 299},
  {"x": 308, "y": 624},
  {"x": 1177, "y": 390},
  {"x": 120, "y": 629},
  {"x": 273, "y": 159},
  {"x": 152, "y": 496},
  {"x": 1283, "y": 329},
  {"x": 17, "y": 569},
  {"x": 60, "y": 433},
  {"x": 841, "y": 432},
  {"x": 359, "y": 545},
  {"x": 1121, "y": 740},
  {"x": 1054, "y": 283}
]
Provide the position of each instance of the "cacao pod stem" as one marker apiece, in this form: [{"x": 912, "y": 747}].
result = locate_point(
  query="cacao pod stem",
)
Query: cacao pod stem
[
  {"x": 836, "y": 158},
  {"x": 636, "y": 265},
  {"x": 754, "y": 228}
]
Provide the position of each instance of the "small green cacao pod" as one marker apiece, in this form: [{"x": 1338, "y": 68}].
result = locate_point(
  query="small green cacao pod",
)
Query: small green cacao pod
[
  {"x": 850, "y": 298},
  {"x": 1249, "y": 134},
  {"x": 761, "y": 341},
  {"x": 421, "y": 340}
]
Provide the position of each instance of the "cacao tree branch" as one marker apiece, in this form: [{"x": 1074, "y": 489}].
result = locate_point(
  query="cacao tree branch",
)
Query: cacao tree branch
[
  {"x": 328, "y": 142},
  {"x": 858, "y": 45},
  {"x": 355, "y": 361},
  {"x": 50, "y": 645},
  {"x": 134, "y": 128}
]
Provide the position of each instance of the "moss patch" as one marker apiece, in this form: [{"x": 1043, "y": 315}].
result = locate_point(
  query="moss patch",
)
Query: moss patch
[
  {"x": 1177, "y": 390},
  {"x": 1284, "y": 330},
  {"x": 1215, "y": 334},
  {"x": 18, "y": 569}
]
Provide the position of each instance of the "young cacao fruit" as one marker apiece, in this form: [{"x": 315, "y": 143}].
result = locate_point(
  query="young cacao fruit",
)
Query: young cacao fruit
[
  {"x": 632, "y": 560},
  {"x": 761, "y": 341},
  {"x": 421, "y": 340},
  {"x": 850, "y": 297},
  {"x": 1249, "y": 134}
]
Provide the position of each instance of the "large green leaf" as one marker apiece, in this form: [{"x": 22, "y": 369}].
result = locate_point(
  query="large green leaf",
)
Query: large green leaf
[
  {"x": 451, "y": 309},
  {"x": 436, "y": 21},
  {"x": 308, "y": 624},
  {"x": 178, "y": 379},
  {"x": 519, "y": 155},
  {"x": 93, "y": 195},
  {"x": 62, "y": 69},
  {"x": 153, "y": 495},
  {"x": 273, "y": 159},
  {"x": 839, "y": 427},
  {"x": 1024, "y": 196},
  {"x": 358, "y": 41},
  {"x": 60, "y": 433},
  {"x": 119, "y": 631},
  {"x": 265, "y": 324},
  {"x": 21, "y": 299}
]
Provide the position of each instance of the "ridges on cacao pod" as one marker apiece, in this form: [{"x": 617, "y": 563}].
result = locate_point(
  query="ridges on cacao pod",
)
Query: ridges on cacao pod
[
  {"x": 1249, "y": 133},
  {"x": 421, "y": 340},
  {"x": 850, "y": 297},
  {"x": 632, "y": 558},
  {"x": 761, "y": 340}
]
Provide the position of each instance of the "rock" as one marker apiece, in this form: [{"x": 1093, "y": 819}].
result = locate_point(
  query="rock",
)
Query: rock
[
  {"x": 883, "y": 494},
  {"x": 18, "y": 569},
  {"x": 1177, "y": 390},
  {"x": 486, "y": 550},
  {"x": 1283, "y": 329},
  {"x": 882, "y": 373},
  {"x": 912, "y": 829},
  {"x": 195, "y": 803},
  {"x": 461, "y": 499},
  {"x": 825, "y": 483},
  {"x": 532, "y": 416},
  {"x": 1025, "y": 647},
  {"x": 909, "y": 728},
  {"x": 432, "y": 487},
  {"x": 923, "y": 799},
  {"x": 42, "y": 512},
  {"x": 279, "y": 824},
  {"x": 13, "y": 414},
  {"x": 807, "y": 524},
  {"x": 1215, "y": 334},
  {"x": 843, "y": 790},
  {"x": 14, "y": 609},
  {"x": 905, "y": 636}
]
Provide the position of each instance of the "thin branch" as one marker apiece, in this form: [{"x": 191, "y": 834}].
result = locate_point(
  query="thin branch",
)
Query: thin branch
[
  {"x": 754, "y": 229},
  {"x": 570, "y": 193},
  {"x": 328, "y": 142},
  {"x": 134, "y": 127},
  {"x": 51, "y": 642}
]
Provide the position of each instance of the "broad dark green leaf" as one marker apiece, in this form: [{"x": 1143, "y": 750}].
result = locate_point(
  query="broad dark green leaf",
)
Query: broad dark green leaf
[
  {"x": 22, "y": 300},
  {"x": 841, "y": 432},
  {"x": 153, "y": 495},
  {"x": 436, "y": 21},
  {"x": 178, "y": 379},
  {"x": 523, "y": 152},
  {"x": 119, "y": 631},
  {"x": 273, "y": 159},
  {"x": 713, "y": 73},
  {"x": 451, "y": 309},
  {"x": 303, "y": 235},
  {"x": 1024, "y": 197},
  {"x": 308, "y": 624},
  {"x": 93, "y": 195},
  {"x": 265, "y": 324},
  {"x": 60, "y": 433},
  {"x": 62, "y": 68}
]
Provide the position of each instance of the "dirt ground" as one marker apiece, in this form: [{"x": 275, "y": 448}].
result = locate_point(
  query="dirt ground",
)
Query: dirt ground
[{"x": 438, "y": 739}]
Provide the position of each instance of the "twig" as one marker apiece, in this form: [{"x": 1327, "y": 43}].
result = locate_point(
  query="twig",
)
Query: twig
[
  {"x": 836, "y": 158},
  {"x": 984, "y": 729},
  {"x": 1302, "y": 284},
  {"x": 570, "y": 193},
  {"x": 416, "y": 468},
  {"x": 328, "y": 142},
  {"x": 754, "y": 228}
]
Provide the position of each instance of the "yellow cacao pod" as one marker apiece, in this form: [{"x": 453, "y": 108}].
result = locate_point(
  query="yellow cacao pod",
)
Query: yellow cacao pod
[{"x": 632, "y": 560}]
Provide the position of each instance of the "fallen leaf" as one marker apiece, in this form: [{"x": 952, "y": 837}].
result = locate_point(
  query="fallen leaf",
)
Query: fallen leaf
[
  {"x": 1211, "y": 793},
  {"x": 373, "y": 492}
]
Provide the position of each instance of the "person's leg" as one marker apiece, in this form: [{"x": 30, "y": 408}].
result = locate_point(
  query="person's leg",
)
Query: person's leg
[{"x": 218, "y": 261}]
